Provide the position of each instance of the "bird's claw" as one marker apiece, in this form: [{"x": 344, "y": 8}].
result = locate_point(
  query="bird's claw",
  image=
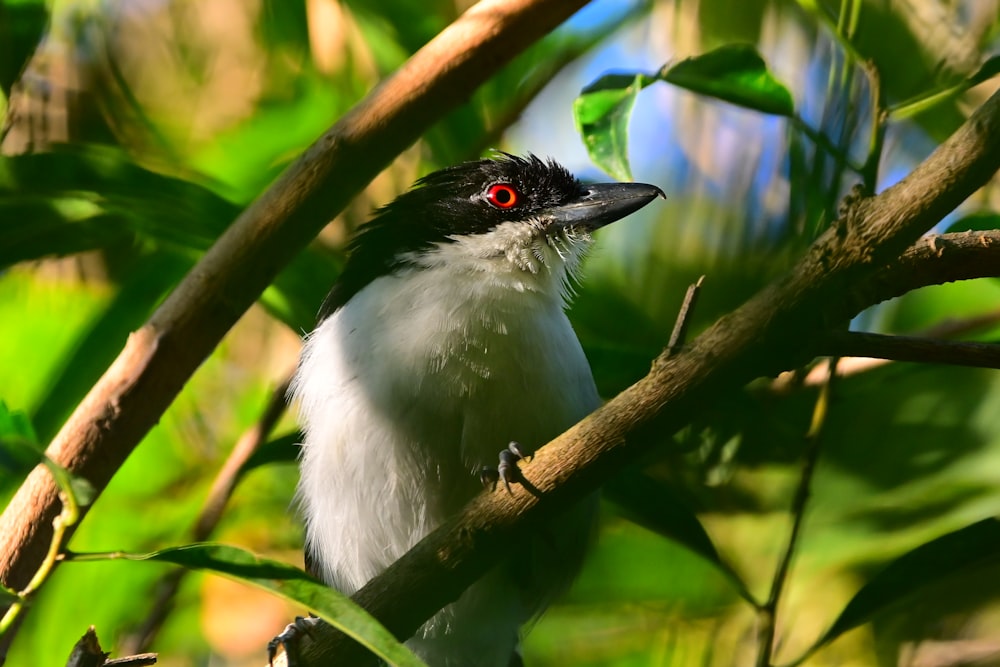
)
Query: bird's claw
[
  {"x": 289, "y": 639},
  {"x": 507, "y": 471}
]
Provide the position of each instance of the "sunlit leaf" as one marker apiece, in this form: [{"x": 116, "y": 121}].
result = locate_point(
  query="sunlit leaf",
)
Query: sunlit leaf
[
  {"x": 286, "y": 581},
  {"x": 602, "y": 114},
  {"x": 91, "y": 197},
  {"x": 15, "y": 424},
  {"x": 734, "y": 73}
]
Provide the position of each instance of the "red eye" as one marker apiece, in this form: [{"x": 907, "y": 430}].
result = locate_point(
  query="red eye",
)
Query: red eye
[{"x": 502, "y": 195}]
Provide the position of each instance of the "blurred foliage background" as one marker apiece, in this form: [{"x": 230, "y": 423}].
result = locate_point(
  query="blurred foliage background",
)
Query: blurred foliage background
[{"x": 135, "y": 131}]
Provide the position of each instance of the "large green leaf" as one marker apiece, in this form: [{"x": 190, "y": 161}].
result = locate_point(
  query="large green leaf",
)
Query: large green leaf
[
  {"x": 734, "y": 73},
  {"x": 929, "y": 563},
  {"x": 90, "y": 197},
  {"x": 286, "y": 581},
  {"x": 95, "y": 198}
]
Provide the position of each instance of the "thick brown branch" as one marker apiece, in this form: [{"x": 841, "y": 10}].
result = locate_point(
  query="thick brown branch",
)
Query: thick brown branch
[
  {"x": 908, "y": 348},
  {"x": 159, "y": 358},
  {"x": 775, "y": 330}
]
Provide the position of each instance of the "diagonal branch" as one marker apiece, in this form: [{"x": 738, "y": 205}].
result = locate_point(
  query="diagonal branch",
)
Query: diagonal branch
[
  {"x": 774, "y": 330},
  {"x": 159, "y": 358}
]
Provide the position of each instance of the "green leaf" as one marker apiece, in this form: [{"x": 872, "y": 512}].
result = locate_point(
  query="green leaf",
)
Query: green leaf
[
  {"x": 653, "y": 505},
  {"x": 733, "y": 73},
  {"x": 929, "y": 563},
  {"x": 22, "y": 25},
  {"x": 602, "y": 113},
  {"x": 87, "y": 197},
  {"x": 286, "y": 581}
]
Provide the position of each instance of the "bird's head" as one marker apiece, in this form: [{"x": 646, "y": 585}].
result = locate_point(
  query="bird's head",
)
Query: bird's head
[{"x": 521, "y": 213}]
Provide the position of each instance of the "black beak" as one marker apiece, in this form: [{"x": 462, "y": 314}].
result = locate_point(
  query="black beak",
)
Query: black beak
[{"x": 601, "y": 204}]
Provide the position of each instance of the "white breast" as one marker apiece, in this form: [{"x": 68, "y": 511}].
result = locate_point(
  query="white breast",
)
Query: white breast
[{"x": 406, "y": 391}]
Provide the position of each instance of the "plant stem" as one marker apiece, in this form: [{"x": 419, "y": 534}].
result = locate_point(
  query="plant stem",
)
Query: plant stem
[{"x": 767, "y": 614}]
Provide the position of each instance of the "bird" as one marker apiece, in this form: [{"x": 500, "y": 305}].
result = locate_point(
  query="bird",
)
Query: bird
[{"x": 444, "y": 340}]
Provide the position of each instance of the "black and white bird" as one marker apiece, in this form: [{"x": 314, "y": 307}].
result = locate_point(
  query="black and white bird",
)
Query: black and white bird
[{"x": 445, "y": 339}]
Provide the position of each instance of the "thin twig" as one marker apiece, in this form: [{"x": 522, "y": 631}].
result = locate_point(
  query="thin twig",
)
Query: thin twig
[
  {"x": 249, "y": 442},
  {"x": 909, "y": 348},
  {"x": 679, "y": 334},
  {"x": 137, "y": 660},
  {"x": 87, "y": 652},
  {"x": 956, "y": 327},
  {"x": 767, "y": 614},
  {"x": 850, "y": 365}
]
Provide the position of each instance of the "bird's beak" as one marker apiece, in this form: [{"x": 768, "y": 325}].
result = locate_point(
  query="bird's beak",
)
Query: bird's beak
[{"x": 601, "y": 204}]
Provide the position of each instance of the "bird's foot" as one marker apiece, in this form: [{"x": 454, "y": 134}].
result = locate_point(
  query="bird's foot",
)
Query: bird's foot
[
  {"x": 507, "y": 470},
  {"x": 289, "y": 639}
]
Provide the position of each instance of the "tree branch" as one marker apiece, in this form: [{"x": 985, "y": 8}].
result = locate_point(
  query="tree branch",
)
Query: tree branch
[
  {"x": 934, "y": 260},
  {"x": 159, "y": 358},
  {"x": 774, "y": 330},
  {"x": 909, "y": 348}
]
